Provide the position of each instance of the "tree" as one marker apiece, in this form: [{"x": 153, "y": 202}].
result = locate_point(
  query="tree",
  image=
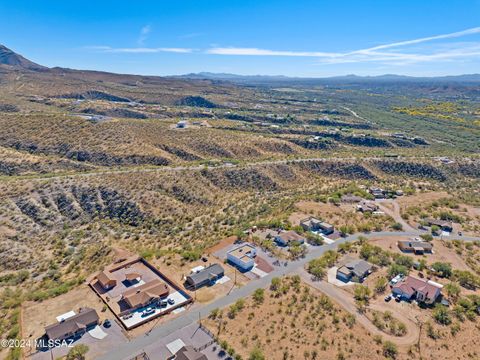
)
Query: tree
[
  {"x": 397, "y": 227},
  {"x": 396, "y": 269},
  {"x": 361, "y": 294},
  {"x": 467, "y": 279},
  {"x": 442, "y": 269},
  {"x": 77, "y": 352},
  {"x": 380, "y": 285},
  {"x": 275, "y": 284},
  {"x": 259, "y": 296},
  {"x": 256, "y": 354},
  {"x": 435, "y": 229},
  {"x": 390, "y": 350},
  {"x": 426, "y": 237},
  {"x": 453, "y": 290},
  {"x": 441, "y": 314}
]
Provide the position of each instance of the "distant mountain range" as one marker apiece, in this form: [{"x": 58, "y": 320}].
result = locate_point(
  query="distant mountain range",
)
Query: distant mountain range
[
  {"x": 351, "y": 78},
  {"x": 11, "y": 59}
]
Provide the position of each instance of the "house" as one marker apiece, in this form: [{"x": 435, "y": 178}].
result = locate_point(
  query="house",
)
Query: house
[
  {"x": 205, "y": 276},
  {"x": 313, "y": 224},
  {"x": 188, "y": 352},
  {"x": 377, "y": 193},
  {"x": 286, "y": 238},
  {"x": 444, "y": 225},
  {"x": 133, "y": 277},
  {"x": 181, "y": 124},
  {"x": 106, "y": 280},
  {"x": 350, "y": 199},
  {"x": 367, "y": 206},
  {"x": 411, "y": 288},
  {"x": 73, "y": 326},
  {"x": 145, "y": 294},
  {"x": 415, "y": 246},
  {"x": 243, "y": 256},
  {"x": 355, "y": 270}
]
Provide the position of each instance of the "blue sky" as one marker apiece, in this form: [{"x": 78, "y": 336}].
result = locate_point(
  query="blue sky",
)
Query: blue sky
[{"x": 295, "y": 38}]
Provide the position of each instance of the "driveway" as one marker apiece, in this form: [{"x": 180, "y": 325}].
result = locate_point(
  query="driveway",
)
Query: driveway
[
  {"x": 193, "y": 314},
  {"x": 395, "y": 213},
  {"x": 97, "y": 347},
  {"x": 346, "y": 301}
]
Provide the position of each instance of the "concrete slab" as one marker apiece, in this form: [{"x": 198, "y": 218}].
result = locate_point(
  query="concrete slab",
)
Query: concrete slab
[
  {"x": 97, "y": 333},
  {"x": 175, "y": 345}
]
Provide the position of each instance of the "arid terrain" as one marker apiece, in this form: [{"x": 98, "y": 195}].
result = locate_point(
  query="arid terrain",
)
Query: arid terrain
[{"x": 167, "y": 167}]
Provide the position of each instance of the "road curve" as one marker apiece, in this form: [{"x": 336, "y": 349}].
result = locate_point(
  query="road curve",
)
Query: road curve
[{"x": 135, "y": 346}]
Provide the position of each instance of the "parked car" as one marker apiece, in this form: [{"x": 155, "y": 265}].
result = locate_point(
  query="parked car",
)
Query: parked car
[
  {"x": 148, "y": 311},
  {"x": 388, "y": 297},
  {"x": 398, "y": 298},
  {"x": 163, "y": 303},
  {"x": 171, "y": 301},
  {"x": 107, "y": 323},
  {"x": 396, "y": 279},
  {"x": 128, "y": 316}
]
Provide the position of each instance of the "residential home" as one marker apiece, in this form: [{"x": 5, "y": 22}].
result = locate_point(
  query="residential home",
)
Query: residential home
[
  {"x": 367, "y": 206},
  {"x": 444, "y": 225},
  {"x": 377, "y": 193},
  {"x": 243, "y": 256},
  {"x": 313, "y": 224},
  {"x": 205, "y": 276},
  {"x": 133, "y": 277},
  {"x": 188, "y": 352},
  {"x": 288, "y": 238},
  {"x": 355, "y": 270},
  {"x": 73, "y": 326},
  {"x": 351, "y": 199},
  {"x": 106, "y": 280},
  {"x": 145, "y": 294},
  {"x": 411, "y": 288},
  {"x": 415, "y": 246}
]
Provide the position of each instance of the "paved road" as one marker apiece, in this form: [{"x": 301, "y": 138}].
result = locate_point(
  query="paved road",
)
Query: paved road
[{"x": 135, "y": 346}]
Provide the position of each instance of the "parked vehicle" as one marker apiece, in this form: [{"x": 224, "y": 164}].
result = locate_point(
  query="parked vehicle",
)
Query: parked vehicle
[
  {"x": 148, "y": 311},
  {"x": 396, "y": 279},
  {"x": 128, "y": 316},
  {"x": 388, "y": 297},
  {"x": 107, "y": 323},
  {"x": 163, "y": 303},
  {"x": 171, "y": 301},
  {"x": 398, "y": 298}
]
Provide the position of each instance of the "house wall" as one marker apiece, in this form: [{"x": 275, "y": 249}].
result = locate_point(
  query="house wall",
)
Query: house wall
[
  {"x": 343, "y": 277},
  {"x": 245, "y": 265}
]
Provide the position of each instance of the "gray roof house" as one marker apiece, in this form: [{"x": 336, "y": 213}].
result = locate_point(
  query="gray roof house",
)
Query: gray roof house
[
  {"x": 189, "y": 353},
  {"x": 73, "y": 326},
  {"x": 355, "y": 270},
  {"x": 204, "y": 277}
]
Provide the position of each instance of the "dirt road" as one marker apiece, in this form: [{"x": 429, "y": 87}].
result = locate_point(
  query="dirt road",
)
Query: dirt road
[{"x": 346, "y": 301}]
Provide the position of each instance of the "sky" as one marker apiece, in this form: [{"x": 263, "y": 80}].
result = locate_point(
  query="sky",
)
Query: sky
[{"x": 275, "y": 37}]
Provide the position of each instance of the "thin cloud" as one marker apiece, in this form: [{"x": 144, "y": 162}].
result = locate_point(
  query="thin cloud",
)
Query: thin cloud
[
  {"x": 372, "y": 54},
  {"x": 144, "y": 34},
  {"x": 140, "y": 50},
  {"x": 265, "y": 52}
]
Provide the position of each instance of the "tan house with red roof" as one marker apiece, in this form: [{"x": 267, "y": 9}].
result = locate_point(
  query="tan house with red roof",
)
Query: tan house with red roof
[
  {"x": 420, "y": 290},
  {"x": 106, "y": 280},
  {"x": 145, "y": 294}
]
